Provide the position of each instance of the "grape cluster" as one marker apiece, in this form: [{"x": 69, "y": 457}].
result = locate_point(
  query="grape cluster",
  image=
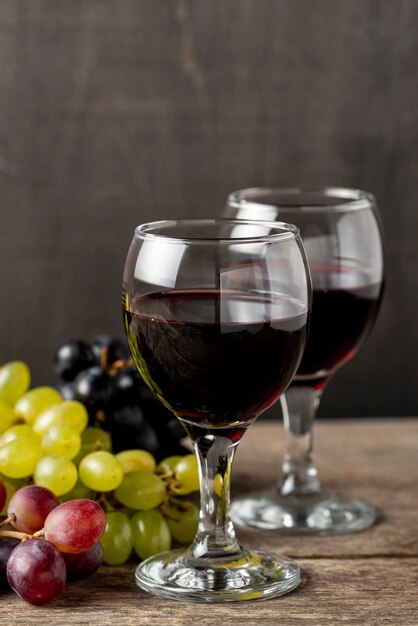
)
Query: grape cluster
[
  {"x": 43, "y": 543},
  {"x": 102, "y": 377},
  {"x": 50, "y": 444}
]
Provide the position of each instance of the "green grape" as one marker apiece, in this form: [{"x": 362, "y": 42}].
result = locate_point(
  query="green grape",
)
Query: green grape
[
  {"x": 19, "y": 431},
  {"x": 19, "y": 457},
  {"x": 97, "y": 438},
  {"x": 187, "y": 475},
  {"x": 136, "y": 461},
  {"x": 78, "y": 492},
  {"x": 7, "y": 416},
  {"x": 101, "y": 471},
  {"x": 183, "y": 520},
  {"x": 166, "y": 466},
  {"x": 55, "y": 473},
  {"x": 10, "y": 490},
  {"x": 14, "y": 381},
  {"x": 127, "y": 511},
  {"x": 33, "y": 402},
  {"x": 69, "y": 413},
  {"x": 151, "y": 533},
  {"x": 117, "y": 540},
  {"x": 92, "y": 440},
  {"x": 141, "y": 491},
  {"x": 62, "y": 440}
]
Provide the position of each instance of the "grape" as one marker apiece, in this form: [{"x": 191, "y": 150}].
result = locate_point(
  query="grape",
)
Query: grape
[
  {"x": 30, "y": 507},
  {"x": 7, "y": 545},
  {"x": 35, "y": 401},
  {"x": 136, "y": 460},
  {"x": 116, "y": 349},
  {"x": 7, "y": 416},
  {"x": 101, "y": 471},
  {"x": 125, "y": 421},
  {"x": 93, "y": 387},
  {"x": 92, "y": 440},
  {"x": 128, "y": 385},
  {"x": 19, "y": 431},
  {"x": 14, "y": 381},
  {"x": 151, "y": 533},
  {"x": 183, "y": 520},
  {"x": 186, "y": 473},
  {"x": 167, "y": 465},
  {"x": 69, "y": 413},
  {"x": 78, "y": 492},
  {"x": 84, "y": 564},
  {"x": 55, "y": 473},
  {"x": 63, "y": 440},
  {"x": 141, "y": 491},
  {"x": 36, "y": 571},
  {"x": 169, "y": 430},
  {"x": 125, "y": 435},
  {"x": 19, "y": 457},
  {"x": 66, "y": 391},
  {"x": 171, "y": 448},
  {"x": 3, "y": 494},
  {"x": 117, "y": 540},
  {"x": 73, "y": 357},
  {"x": 75, "y": 526},
  {"x": 97, "y": 438},
  {"x": 10, "y": 489}
]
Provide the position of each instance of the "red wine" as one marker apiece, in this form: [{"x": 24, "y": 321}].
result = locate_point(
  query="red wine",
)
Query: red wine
[
  {"x": 216, "y": 359},
  {"x": 341, "y": 320}
]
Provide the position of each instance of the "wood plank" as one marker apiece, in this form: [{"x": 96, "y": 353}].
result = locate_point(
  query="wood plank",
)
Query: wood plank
[
  {"x": 373, "y": 460},
  {"x": 351, "y": 591},
  {"x": 369, "y": 578}
]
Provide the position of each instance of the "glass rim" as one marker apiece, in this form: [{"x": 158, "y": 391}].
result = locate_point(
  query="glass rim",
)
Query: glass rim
[
  {"x": 284, "y": 230},
  {"x": 346, "y": 198}
]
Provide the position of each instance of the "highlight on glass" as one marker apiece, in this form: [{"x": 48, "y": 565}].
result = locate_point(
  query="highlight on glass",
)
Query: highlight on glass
[
  {"x": 216, "y": 315},
  {"x": 342, "y": 237}
]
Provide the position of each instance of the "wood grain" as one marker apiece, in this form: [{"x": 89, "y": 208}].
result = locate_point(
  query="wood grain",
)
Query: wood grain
[
  {"x": 368, "y": 579},
  {"x": 118, "y": 112},
  {"x": 367, "y": 592}
]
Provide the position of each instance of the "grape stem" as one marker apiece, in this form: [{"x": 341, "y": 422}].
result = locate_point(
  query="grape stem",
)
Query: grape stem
[
  {"x": 179, "y": 506},
  {"x": 104, "y": 354},
  {"x": 15, "y": 534},
  {"x": 119, "y": 365},
  {"x": 100, "y": 417},
  {"x": 9, "y": 519},
  {"x": 166, "y": 475},
  {"x": 102, "y": 500}
]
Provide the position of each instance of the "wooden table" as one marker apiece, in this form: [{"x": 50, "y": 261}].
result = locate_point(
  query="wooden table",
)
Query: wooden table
[{"x": 365, "y": 578}]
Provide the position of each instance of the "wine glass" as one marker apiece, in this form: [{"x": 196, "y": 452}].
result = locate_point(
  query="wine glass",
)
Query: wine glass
[
  {"x": 342, "y": 238},
  {"x": 215, "y": 314}
]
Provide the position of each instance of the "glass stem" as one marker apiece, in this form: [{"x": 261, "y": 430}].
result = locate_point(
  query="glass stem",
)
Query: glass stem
[
  {"x": 299, "y": 475},
  {"x": 215, "y": 535}
]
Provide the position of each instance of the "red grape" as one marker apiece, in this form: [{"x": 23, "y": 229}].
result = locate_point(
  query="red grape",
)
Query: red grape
[
  {"x": 75, "y": 526},
  {"x": 36, "y": 571},
  {"x": 3, "y": 495},
  {"x": 7, "y": 545},
  {"x": 31, "y": 505},
  {"x": 84, "y": 564}
]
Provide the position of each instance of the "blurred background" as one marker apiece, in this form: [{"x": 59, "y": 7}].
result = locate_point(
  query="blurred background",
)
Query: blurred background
[{"x": 116, "y": 112}]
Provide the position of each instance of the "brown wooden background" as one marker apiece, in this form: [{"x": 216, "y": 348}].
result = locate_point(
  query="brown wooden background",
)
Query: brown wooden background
[{"x": 114, "y": 112}]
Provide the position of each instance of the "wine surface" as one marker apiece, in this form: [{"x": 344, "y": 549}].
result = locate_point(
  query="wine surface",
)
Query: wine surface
[
  {"x": 341, "y": 320},
  {"x": 216, "y": 359}
]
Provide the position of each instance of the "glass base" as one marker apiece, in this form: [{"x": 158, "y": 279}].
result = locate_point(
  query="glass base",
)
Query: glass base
[
  {"x": 322, "y": 513},
  {"x": 251, "y": 576}
]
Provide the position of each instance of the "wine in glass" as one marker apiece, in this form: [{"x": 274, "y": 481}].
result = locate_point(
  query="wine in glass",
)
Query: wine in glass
[
  {"x": 215, "y": 314},
  {"x": 342, "y": 238}
]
